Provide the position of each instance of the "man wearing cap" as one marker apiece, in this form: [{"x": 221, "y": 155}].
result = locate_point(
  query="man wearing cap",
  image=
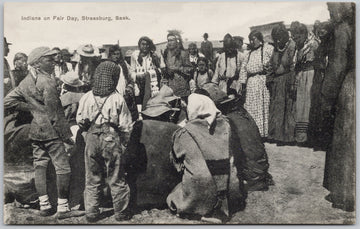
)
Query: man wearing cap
[
  {"x": 49, "y": 129},
  {"x": 250, "y": 153}
]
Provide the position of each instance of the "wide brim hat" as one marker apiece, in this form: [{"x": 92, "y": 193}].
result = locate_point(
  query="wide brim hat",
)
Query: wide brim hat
[
  {"x": 72, "y": 79},
  {"x": 88, "y": 50},
  {"x": 160, "y": 103},
  {"x": 218, "y": 96},
  {"x": 157, "y": 109}
]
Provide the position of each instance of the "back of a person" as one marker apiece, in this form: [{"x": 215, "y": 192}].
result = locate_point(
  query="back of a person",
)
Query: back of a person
[
  {"x": 212, "y": 143},
  {"x": 148, "y": 160}
]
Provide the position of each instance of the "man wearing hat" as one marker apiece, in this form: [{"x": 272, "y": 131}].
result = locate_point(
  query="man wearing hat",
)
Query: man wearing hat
[
  {"x": 49, "y": 129},
  {"x": 147, "y": 155},
  {"x": 9, "y": 81},
  {"x": 252, "y": 156},
  {"x": 89, "y": 59}
]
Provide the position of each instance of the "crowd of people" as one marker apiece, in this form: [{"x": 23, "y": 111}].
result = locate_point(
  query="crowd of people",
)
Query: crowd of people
[{"x": 201, "y": 118}]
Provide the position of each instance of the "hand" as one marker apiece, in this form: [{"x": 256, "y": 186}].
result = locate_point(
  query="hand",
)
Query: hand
[
  {"x": 136, "y": 90},
  {"x": 84, "y": 125}
]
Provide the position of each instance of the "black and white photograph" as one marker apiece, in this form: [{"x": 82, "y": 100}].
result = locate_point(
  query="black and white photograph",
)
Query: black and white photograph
[{"x": 190, "y": 113}]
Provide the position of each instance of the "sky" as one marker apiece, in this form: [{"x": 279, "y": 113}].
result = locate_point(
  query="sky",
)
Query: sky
[{"x": 152, "y": 19}]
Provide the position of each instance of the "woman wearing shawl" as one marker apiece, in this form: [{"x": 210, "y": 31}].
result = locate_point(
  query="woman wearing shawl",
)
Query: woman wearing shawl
[
  {"x": 306, "y": 46},
  {"x": 338, "y": 91},
  {"x": 201, "y": 154},
  {"x": 282, "y": 88}
]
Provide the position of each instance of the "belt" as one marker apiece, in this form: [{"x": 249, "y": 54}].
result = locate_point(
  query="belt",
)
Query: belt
[{"x": 256, "y": 73}]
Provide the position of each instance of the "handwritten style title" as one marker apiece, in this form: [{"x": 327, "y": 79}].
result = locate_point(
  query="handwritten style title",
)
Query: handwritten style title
[{"x": 75, "y": 18}]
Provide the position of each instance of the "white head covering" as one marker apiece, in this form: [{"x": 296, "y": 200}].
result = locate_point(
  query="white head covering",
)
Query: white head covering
[{"x": 202, "y": 107}]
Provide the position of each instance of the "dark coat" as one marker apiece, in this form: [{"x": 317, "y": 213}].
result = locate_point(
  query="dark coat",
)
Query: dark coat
[
  {"x": 339, "y": 88},
  {"x": 151, "y": 173},
  {"x": 178, "y": 80},
  {"x": 40, "y": 97}
]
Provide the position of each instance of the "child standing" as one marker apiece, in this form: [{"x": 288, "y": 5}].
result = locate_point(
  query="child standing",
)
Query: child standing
[
  {"x": 104, "y": 114},
  {"x": 202, "y": 75}
]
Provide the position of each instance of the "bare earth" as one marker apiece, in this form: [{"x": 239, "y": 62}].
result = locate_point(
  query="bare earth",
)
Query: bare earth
[{"x": 296, "y": 198}]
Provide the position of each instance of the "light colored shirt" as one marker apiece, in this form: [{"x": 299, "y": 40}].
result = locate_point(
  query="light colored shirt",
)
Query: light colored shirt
[
  {"x": 147, "y": 66},
  {"x": 114, "y": 110}
]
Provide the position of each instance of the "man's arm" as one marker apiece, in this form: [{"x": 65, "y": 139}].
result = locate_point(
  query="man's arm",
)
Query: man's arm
[{"x": 15, "y": 101}]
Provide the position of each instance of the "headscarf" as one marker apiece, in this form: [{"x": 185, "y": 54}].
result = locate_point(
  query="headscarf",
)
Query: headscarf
[
  {"x": 106, "y": 78},
  {"x": 202, "y": 107}
]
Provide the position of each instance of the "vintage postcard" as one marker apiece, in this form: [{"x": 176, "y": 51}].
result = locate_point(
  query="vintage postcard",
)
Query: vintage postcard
[{"x": 179, "y": 113}]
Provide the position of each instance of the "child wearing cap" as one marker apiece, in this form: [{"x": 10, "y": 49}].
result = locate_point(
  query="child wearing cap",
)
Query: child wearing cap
[
  {"x": 105, "y": 116},
  {"x": 49, "y": 129}
]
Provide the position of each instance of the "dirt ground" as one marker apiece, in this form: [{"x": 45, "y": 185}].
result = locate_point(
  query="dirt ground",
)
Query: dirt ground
[{"x": 296, "y": 198}]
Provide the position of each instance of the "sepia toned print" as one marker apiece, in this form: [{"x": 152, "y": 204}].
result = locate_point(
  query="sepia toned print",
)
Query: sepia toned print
[{"x": 189, "y": 113}]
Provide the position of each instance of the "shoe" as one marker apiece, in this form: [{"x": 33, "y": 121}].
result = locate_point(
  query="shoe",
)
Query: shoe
[
  {"x": 69, "y": 214},
  {"x": 212, "y": 220},
  {"x": 93, "y": 218},
  {"x": 47, "y": 212},
  {"x": 122, "y": 216},
  {"x": 328, "y": 198}
]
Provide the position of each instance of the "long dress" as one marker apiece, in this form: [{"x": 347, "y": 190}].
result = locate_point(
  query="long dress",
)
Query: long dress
[
  {"x": 304, "y": 79},
  {"x": 257, "y": 95},
  {"x": 282, "y": 101},
  {"x": 339, "y": 87},
  {"x": 318, "y": 138}
]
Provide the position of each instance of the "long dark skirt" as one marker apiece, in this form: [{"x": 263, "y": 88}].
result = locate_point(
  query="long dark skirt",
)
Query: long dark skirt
[
  {"x": 315, "y": 118},
  {"x": 282, "y": 109},
  {"x": 339, "y": 175}
]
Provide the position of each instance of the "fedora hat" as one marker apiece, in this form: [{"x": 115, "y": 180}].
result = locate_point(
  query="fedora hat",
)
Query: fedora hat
[
  {"x": 88, "y": 50},
  {"x": 72, "y": 79},
  {"x": 218, "y": 96},
  {"x": 156, "y": 108},
  {"x": 160, "y": 103}
]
